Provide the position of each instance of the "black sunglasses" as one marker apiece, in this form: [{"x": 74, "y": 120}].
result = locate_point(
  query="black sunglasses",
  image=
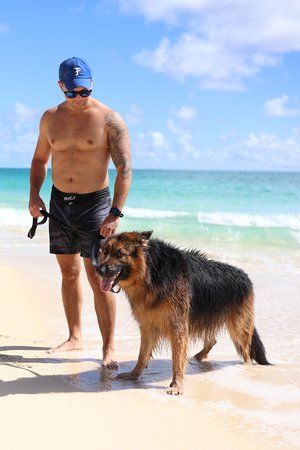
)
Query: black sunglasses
[{"x": 73, "y": 94}]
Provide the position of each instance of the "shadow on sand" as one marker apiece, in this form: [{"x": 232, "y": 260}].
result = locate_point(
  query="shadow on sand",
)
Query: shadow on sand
[{"x": 98, "y": 379}]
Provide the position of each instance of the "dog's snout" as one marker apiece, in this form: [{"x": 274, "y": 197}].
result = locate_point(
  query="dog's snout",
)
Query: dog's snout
[
  {"x": 101, "y": 269},
  {"x": 107, "y": 270}
]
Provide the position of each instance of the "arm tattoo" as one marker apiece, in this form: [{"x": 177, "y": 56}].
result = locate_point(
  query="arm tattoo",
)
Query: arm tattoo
[{"x": 118, "y": 142}]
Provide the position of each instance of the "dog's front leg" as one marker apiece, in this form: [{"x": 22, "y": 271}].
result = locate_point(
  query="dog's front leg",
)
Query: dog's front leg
[
  {"x": 147, "y": 344},
  {"x": 179, "y": 343}
]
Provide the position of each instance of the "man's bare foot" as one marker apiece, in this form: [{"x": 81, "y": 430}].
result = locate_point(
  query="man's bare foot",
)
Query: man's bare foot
[
  {"x": 69, "y": 345},
  {"x": 109, "y": 361}
]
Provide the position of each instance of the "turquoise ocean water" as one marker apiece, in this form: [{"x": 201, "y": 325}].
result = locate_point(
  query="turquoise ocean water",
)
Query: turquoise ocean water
[{"x": 232, "y": 211}]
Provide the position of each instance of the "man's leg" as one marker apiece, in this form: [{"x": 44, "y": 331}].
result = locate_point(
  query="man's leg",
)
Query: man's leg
[
  {"x": 72, "y": 301},
  {"x": 105, "y": 307}
]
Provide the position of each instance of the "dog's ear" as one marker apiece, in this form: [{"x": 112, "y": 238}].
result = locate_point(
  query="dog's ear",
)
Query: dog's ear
[{"x": 145, "y": 236}]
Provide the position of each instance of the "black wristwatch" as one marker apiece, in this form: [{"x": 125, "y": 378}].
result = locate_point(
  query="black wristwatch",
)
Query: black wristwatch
[{"x": 116, "y": 212}]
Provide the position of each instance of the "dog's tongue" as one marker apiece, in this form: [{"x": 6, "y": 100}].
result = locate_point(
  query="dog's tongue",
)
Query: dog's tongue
[{"x": 106, "y": 284}]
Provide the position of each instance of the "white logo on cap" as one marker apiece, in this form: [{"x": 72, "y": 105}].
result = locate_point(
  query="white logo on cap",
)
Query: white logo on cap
[{"x": 77, "y": 71}]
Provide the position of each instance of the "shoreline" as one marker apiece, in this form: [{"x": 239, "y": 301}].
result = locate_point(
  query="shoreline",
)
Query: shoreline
[{"x": 226, "y": 405}]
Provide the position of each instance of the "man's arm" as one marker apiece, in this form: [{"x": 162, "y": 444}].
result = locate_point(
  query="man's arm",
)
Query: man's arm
[
  {"x": 38, "y": 170},
  {"x": 119, "y": 146}
]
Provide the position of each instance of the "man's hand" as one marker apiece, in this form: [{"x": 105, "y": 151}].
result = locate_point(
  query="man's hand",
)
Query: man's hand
[
  {"x": 34, "y": 206},
  {"x": 109, "y": 226}
]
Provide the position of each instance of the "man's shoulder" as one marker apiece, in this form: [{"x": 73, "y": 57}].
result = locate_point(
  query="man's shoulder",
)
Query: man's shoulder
[
  {"x": 113, "y": 118},
  {"x": 51, "y": 111},
  {"x": 109, "y": 114}
]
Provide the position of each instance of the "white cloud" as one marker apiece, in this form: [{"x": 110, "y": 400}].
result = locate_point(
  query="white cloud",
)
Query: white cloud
[
  {"x": 209, "y": 62},
  {"x": 254, "y": 152},
  {"x": 191, "y": 56},
  {"x": 26, "y": 142},
  {"x": 185, "y": 140},
  {"x": 23, "y": 116},
  {"x": 219, "y": 43},
  {"x": 173, "y": 127},
  {"x": 18, "y": 136},
  {"x": 271, "y": 25},
  {"x": 158, "y": 140},
  {"x": 278, "y": 107},
  {"x": 154, "y": 147},
  {"x": 135, "y": 114},
  {"x": 166, "y": 10},
  {"x": 75, "y": 9},
  {"x": 186, "y": 113},
  {"x": 24, "y": 113},
  {"x": 268, "y": 151},
  {"x": 16, "y": 148},
  {"x": 296, "y": 132},
  {"x": 229, "y": 135}
]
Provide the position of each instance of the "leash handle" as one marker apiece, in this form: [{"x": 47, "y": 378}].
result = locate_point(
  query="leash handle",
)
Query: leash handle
[{"x": 35, "y": 223}]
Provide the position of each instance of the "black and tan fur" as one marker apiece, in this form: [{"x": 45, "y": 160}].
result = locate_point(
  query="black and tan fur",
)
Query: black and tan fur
[{"x": 177, "y": 294}]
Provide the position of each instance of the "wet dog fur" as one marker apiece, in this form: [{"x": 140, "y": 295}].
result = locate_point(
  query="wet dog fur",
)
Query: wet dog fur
[{"x": 179, "y": 294}]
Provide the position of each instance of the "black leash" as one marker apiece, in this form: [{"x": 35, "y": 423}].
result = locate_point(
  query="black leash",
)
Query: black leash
[{"x": 46, "y": 214}]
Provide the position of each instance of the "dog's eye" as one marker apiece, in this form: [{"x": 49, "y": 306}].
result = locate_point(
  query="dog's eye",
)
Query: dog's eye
[{"x": 119, "y": 253}]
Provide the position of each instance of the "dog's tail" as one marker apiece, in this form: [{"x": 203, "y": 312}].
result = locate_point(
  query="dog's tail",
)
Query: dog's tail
[{"x": 257, "y": 350}]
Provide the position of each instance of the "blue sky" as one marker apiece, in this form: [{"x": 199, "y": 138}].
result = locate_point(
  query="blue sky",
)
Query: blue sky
[{"x": 202, "y": 84}]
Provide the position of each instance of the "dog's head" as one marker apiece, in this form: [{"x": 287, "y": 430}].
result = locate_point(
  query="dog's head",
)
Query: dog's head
[{"x": 120, "y": 259}]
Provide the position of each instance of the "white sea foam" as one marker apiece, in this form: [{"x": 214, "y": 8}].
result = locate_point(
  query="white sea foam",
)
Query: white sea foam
[
  {"x": 267, "y": 392},
  {"x": 281, "y": 425},
  {"x": 10, "y": 217},
  {"x": 296, "y": 235},
  {"x": 152, "y": 213},
  {"x": 291, "y": 221}
]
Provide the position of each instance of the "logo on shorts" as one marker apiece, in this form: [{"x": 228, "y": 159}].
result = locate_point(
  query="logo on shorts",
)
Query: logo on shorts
[
  {"x": 70, "y": 199},
  {"x": 77, "y": 71}
]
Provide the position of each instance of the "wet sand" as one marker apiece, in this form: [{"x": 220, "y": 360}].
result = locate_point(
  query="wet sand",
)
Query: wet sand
[{"x": 67, "y": 400}]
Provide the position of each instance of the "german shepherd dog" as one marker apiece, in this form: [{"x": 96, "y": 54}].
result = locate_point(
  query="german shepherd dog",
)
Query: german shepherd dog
[{"x": 177, "y": 294}]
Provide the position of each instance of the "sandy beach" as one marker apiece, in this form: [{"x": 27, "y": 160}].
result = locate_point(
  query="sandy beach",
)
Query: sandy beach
[{"x": 67, "y": 401}]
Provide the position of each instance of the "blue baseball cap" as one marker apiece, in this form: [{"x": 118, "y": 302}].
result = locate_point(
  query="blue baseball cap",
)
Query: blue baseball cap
[{"x": 75, "y": 72}]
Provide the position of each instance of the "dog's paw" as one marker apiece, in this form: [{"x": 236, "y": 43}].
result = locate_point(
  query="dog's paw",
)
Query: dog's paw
[
  {"x": 175, "y": 389},
  {"x": 127, "y": 376}
]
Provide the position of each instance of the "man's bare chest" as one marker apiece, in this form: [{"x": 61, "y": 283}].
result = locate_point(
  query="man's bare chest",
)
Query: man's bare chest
[{"x": 79, "y": 132}]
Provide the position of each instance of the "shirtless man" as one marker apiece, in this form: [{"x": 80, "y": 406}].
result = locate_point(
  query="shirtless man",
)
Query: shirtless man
[{"x": 81, "y": 135}]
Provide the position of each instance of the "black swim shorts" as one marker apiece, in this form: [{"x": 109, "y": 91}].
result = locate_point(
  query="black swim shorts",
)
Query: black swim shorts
[{"x": 83, "y": 214}]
